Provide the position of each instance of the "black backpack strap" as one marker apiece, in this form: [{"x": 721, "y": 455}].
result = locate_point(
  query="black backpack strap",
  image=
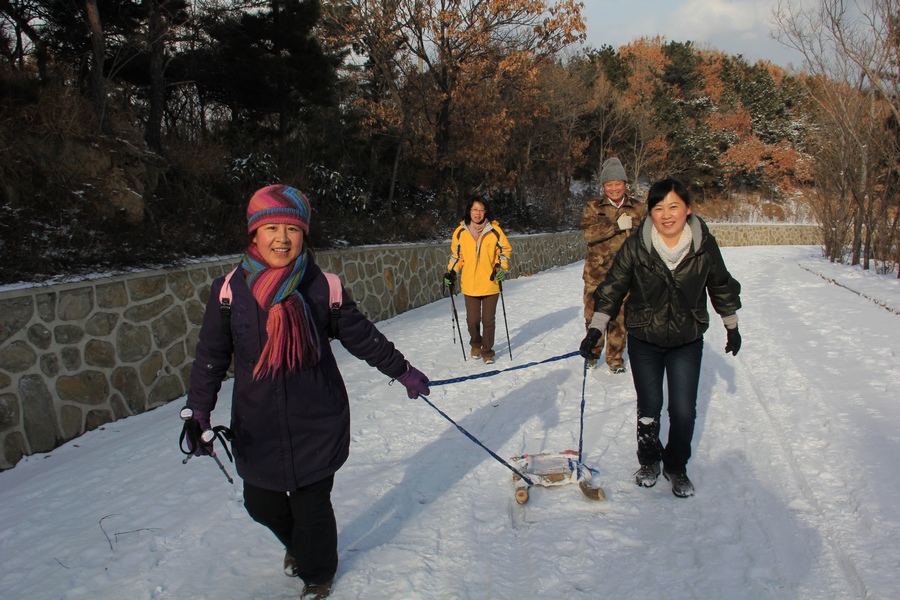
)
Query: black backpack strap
[
  {"x": 335, "y": 299},
  {"x": 225, "y": 302}
]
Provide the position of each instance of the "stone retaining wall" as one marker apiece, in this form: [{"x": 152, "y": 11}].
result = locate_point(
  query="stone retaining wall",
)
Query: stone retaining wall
[{"x": 76, "y": 356}]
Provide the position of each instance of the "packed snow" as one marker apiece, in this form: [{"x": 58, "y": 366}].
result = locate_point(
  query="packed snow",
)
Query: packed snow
[{"x": 795, "y": 466}]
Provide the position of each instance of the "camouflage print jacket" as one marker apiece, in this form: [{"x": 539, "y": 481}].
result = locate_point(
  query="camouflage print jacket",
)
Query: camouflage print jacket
[{"x": 603, "y": 236}]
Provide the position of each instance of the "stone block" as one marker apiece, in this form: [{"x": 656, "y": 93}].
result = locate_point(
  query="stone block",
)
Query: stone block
[
  {"x": 145, "y": 288},
  {"x": 71, "y": 358},
  {"x": 40, "y": 336},
  {"x": 112, "y": 295},
  {"x": 176, "y": 355},
  {"x": 14, "y": 315},
  {"x": 170, "y": 327},
  {"x": 50, "y": 365},
  {"x": 71, "y": 421},
  {"x": 166, "y": 389},
  {"x": 133, "y": 342},
  {"x": 14, "y": 448},
  {"x": 38, "y": 414},
  {"x": 97, "y": 418},
  {"x": 151, "y": 310},
  {"x": 151, "y": 368},
  {"x": 99, "y": 354},
  {"x": 68, "y": 334},
  {"x": 180, "y": 285},
  {"x": 86, "y": 387},
  {"x": 17, "y": 357},
  {"x": 46, "y": 306},
  {"x": 120, "y": 411},
  {"x": 10, "y": 412},
  {"x": 101, "y": 324},
  {"x": 75, "y": 304},
  {"x": 195, "y": 311},
  {"x": 126, "y": 381}
]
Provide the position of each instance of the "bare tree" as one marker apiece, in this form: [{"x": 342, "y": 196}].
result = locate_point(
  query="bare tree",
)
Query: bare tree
[{"x": 850, "y": 56}]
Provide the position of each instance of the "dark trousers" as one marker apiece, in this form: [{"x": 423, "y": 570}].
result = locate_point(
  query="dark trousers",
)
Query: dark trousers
[
  {"x": 302, "y": 520},
  {"x": 481, "y": 321},
  {"x": 681, "y": 368}
]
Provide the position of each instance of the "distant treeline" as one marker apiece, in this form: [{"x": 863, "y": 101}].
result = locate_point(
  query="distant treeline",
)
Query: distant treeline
[{"x": 390, "y": 114}]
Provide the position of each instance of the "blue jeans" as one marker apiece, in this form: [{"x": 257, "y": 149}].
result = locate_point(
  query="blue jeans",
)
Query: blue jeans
[{"x": 681, "y": 368}]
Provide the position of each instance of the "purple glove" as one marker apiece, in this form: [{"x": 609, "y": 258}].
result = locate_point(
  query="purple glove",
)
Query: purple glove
[
  {"x": 195, "y": 428},
  {"x": 415, "y": 382}
]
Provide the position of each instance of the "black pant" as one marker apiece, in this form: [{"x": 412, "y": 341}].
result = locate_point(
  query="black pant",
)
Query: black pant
[{"x": 302, "y": 520}]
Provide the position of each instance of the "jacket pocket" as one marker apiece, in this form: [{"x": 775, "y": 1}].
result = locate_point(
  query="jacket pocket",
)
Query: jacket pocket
[
  {"x": 700, "y": 315},
  {"x": 638, "y": 316}
]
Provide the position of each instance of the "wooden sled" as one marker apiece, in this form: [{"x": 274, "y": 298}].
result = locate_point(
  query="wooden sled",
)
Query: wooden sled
[{"x": 550, "y": 469}]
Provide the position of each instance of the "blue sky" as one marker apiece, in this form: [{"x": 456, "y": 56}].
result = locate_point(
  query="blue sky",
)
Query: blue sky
[{"x": 733, "y": 26}]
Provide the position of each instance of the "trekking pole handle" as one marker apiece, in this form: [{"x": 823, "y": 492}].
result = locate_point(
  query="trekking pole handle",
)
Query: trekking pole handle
[{"x": 208, "y": 436}]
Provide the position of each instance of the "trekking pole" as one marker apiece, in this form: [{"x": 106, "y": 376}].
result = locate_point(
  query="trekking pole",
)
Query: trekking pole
[
  {"x": 505, "y": 324},
  {"x": 190, "y": 430},
  {"x": 456, "y": 318}
]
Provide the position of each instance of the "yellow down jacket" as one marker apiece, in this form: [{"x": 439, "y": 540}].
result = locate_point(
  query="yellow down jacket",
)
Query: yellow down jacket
[{"x": 475, "y": 261}]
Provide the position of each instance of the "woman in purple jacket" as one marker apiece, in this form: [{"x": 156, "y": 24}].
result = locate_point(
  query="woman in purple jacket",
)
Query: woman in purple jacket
[{"x": 290, "y": 413}]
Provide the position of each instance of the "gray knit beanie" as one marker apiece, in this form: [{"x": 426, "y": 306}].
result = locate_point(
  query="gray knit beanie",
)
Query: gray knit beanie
[{"x": 612, "y": 171}]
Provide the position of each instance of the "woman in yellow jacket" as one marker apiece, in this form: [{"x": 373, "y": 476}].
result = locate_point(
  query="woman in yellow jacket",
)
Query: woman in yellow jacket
[{"x": 480, "y": 251}]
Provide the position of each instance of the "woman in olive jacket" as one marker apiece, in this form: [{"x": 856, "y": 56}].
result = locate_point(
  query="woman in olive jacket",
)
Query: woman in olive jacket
[
  {"x": 290, "y": 414},
  {"x": 669, "y": 267}
]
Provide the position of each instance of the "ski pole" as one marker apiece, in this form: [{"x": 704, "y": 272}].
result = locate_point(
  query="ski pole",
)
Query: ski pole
[
  {"x": 505, "y": 324},
  {"x": 503, "y": 304},
  {"x": 190, "y": 430},
  {"x": 456, "y": 318}
]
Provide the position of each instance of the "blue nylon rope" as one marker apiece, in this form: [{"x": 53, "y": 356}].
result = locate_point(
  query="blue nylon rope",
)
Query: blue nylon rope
[
  {"x": 474, "y": 439},
  {"x": 491, "y": 374},
  {"x": 498, "y": 371}
]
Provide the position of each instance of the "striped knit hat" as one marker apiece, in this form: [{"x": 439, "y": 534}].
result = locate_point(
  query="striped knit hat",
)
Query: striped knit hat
[{"x": 278, "y": 204}]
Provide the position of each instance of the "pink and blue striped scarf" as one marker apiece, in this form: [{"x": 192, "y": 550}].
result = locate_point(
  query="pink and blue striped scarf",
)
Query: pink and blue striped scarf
[{"x": 293, "y": 340}]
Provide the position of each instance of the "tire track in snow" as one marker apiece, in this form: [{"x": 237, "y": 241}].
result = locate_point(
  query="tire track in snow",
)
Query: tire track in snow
[{"x": 846, "y": 564}]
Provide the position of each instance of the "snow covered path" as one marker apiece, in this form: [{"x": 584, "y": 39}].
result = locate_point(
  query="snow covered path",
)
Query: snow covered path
[{"x": 798, "y": 494}]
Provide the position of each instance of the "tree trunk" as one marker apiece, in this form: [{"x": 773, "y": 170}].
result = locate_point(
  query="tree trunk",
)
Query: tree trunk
[
  {"x": 157, "y": 96},
  {"x": 98, "y": 45}
]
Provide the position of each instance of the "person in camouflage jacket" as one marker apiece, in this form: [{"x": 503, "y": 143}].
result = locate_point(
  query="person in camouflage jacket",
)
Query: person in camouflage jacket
[{"x": 606, "y": 222}]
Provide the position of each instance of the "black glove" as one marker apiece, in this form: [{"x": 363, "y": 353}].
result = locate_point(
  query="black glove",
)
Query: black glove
[
  {"x": 590, "y": 341},
  {"x": 449, "y": 278},
  {"x": 734, "y": 341}
]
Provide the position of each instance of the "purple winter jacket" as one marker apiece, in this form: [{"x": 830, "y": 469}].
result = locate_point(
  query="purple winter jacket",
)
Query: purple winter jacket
[{"x": 290, "y": 430}]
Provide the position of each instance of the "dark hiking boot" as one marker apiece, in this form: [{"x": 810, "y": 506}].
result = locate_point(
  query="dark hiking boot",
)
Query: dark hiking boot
[
  {"x": 316, "y": 591},
  {"x": 290, "y": 565},
  {"x": 681, "y": 484},
  {"x": 647, "y": 475}
]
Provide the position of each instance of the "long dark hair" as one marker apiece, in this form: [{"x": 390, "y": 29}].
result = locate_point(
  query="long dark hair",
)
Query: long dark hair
[
  {"x": 661, "y": 189},
  {"x": 467, "y": 216}
]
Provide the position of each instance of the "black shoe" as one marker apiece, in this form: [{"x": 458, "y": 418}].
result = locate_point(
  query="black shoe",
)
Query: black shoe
[
  {"x": 290, "y": 565},
  {"x": 316, "y": 591},
  {"x": 647, "y": 475},
  {"x": 681, "y": 484}
]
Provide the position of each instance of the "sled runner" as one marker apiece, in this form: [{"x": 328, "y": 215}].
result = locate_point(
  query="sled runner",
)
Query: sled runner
[{"x": 549, "y": 469}]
